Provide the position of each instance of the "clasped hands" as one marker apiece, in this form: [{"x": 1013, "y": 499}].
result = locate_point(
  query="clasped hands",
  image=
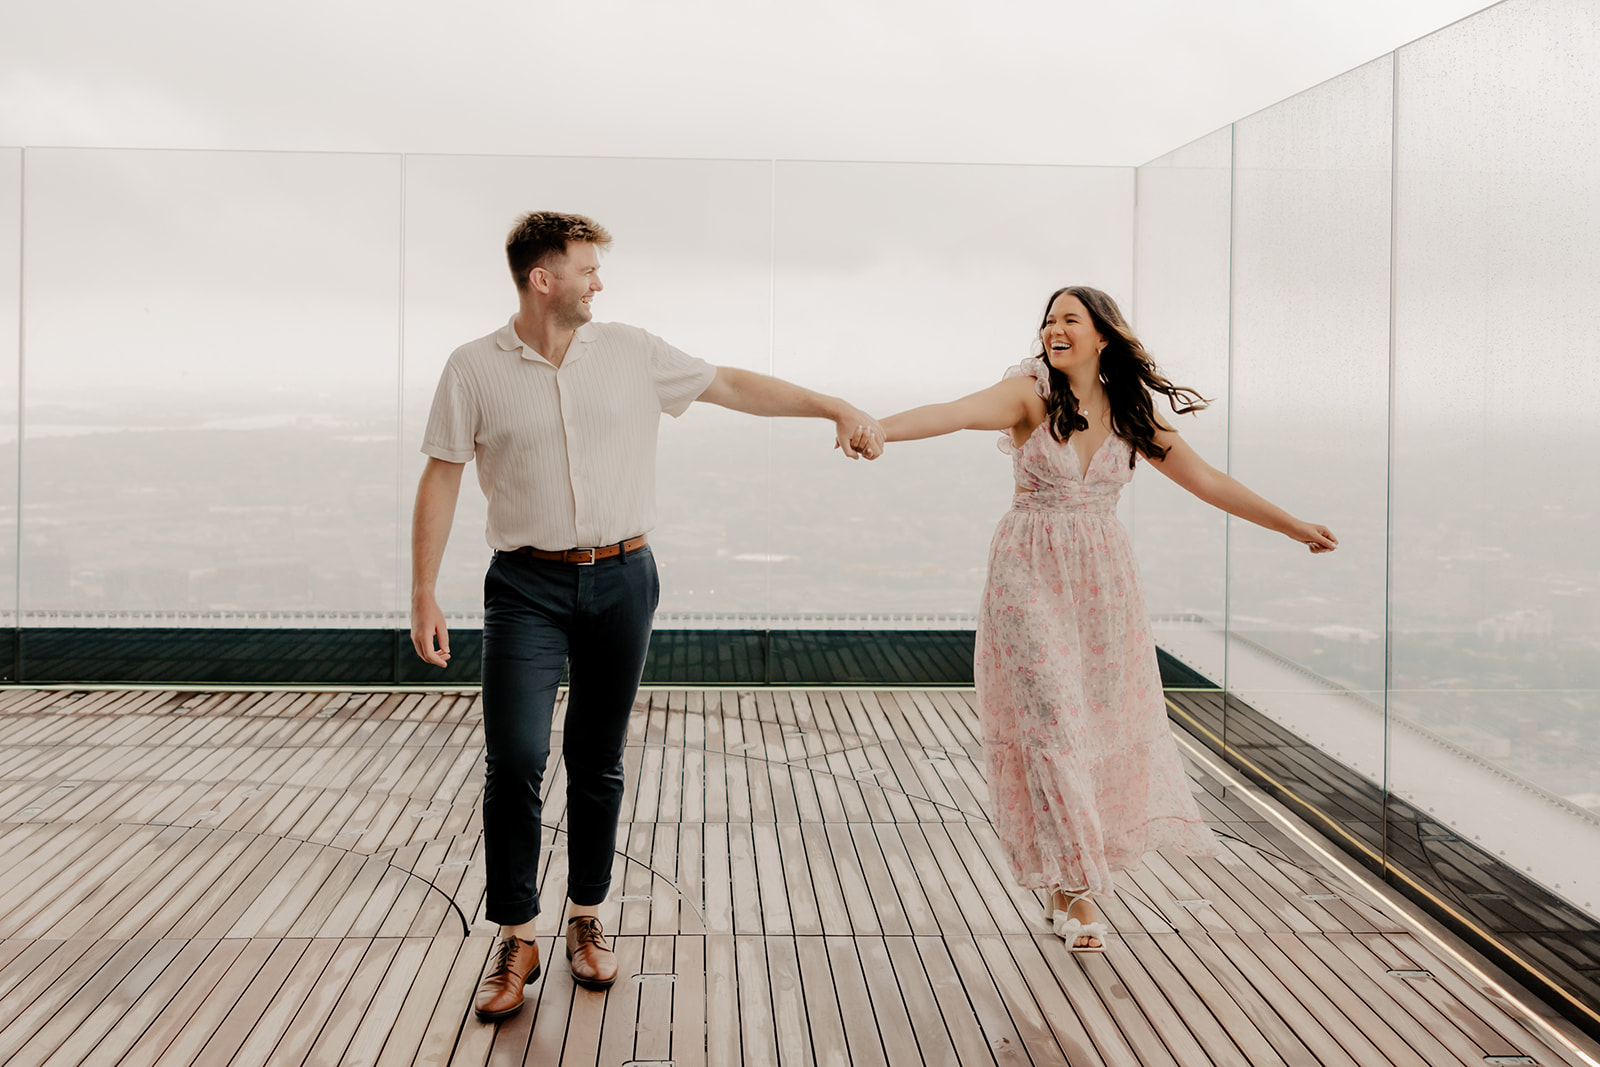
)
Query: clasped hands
[{"x": 858, "y": 434}]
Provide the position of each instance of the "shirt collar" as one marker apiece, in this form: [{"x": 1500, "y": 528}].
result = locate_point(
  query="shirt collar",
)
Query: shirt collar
[{"x": 508, "y": 341}]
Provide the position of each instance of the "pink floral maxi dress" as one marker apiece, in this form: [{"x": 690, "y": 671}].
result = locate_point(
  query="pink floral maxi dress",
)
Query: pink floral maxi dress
[{"x": 1084, "y": 776}]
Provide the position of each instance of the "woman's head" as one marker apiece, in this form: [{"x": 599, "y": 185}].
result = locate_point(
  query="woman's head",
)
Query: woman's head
[
  {"x": 1081, "y": 323},
  {"x": 1083, "y": 327}
]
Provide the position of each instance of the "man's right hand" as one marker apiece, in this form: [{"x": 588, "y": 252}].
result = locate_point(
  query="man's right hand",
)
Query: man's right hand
[{"x": 427, "y": 624}]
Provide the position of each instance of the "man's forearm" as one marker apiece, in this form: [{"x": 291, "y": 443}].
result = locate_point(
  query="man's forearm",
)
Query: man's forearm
[{"x": 762, "y": 394}]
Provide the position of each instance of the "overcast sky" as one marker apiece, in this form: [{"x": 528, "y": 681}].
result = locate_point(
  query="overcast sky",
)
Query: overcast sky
[{"x": 1027, "y": 81}]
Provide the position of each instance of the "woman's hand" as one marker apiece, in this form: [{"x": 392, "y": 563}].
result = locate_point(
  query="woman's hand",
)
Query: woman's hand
[
  {"x": 1315, "y": 537},
  {"x": 868, "y": 441}
]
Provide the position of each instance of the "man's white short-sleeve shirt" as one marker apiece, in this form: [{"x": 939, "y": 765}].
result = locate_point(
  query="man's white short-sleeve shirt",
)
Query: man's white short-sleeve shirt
[{"x": 566, "y": 456}]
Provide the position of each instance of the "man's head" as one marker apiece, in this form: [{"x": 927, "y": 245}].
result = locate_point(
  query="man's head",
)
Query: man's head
[
  {"x": 554, "y": 258},
  {"x": 541, "y": 237}
]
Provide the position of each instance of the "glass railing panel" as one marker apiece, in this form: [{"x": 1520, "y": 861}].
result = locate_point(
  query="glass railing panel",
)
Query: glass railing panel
[
  {"x": 1181, "y": 314},
  {"x": 1308, "y": 414},
  {"x": 211, "y": 408},
  {"x": 10, "y": 337},
  {"x": 1495, "y": 707},
  {"x": 898, "y": 285},
  {"x": 690, "y": 262}
]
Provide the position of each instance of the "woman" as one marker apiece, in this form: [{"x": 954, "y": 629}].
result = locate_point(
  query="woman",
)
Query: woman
[{"x": 1084, "y": 777}]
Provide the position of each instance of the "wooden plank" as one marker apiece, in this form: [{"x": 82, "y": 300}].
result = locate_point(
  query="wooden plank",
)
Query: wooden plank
[
  {"x": 665, "y": 902},
  {"x": 927, "y": 907},
  {"x": 656, "y": 979},
  {"x": 800, "y": 896},
  {"x": 619, "y": 1032},
  {"x": 820, "y": 1030},
  {"x": 1458, "y": 1032},
  {"x": 192, "y": 1035},
  {"x": 51, "y": 987},
  {"x": 756, "y": 1025},
  {"x": 183, "y": 1002},
  {"x": 723, "y": 1035},
  {"x": 882, "y": 902},
  {"x": 1454, "y": 991},
  {"x": 50, "y": 891},
  {"x": 74, "y": 1037},
  {"x": 151, "y": 998},
  {"x": 1297, "y": 1032},
  {"x": 691, "y": 868},
  {"x": 1015, "y": 997},
  {"x": 792, "y": 1023},
  {"x": 690, "y": 1036},
  {"x": 293, "y": 1018},
  {"x": 718, "y": 883},
  {"x": 637, "y": 896},
  {"x": 1012, "y": 909},
  {"x": 382, "y": 1015},
  {"x": 1398, "y": 1039},
  {"x": 946, "y": 878},
  {"x": 250, "y": 1007},
  {"x": 453, "y": 1006},
  {"x": 746, "y": 891},
  {"x": 1077, "y": 1020},
  {"x": 1199, "y": 1009},
  {"x": 972, "y": 1040}
]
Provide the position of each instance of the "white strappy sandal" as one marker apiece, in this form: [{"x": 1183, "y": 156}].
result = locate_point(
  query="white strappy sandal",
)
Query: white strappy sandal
[{"x": 1070, "y": 930}]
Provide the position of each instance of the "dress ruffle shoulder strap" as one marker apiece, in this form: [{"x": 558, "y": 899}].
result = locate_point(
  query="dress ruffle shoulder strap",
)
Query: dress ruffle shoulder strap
[{"x": 1033, "y": 367}]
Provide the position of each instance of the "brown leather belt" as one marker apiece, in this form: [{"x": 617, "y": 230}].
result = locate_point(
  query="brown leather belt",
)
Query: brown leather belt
[{"x": 586, "y": 556}]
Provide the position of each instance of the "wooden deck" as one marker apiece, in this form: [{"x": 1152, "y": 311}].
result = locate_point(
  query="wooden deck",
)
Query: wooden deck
[{"x": 810, "y": 877}]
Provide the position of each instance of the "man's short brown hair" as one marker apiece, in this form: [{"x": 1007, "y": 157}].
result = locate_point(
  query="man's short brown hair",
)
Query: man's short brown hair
[{"x": 541, "y": 235}]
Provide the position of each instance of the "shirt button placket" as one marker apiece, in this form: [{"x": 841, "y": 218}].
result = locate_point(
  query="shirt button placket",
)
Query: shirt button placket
[{"x": 567, "y": 432}]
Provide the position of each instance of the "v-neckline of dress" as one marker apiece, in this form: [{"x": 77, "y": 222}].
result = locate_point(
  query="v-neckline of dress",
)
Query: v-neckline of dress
[{"x": 1083, "y": 471}]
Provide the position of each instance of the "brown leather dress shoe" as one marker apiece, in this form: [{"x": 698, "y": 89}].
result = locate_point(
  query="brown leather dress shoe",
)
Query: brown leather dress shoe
[
  {"x": 516, "y": 963},
  {"x": 594, "y": 965}
]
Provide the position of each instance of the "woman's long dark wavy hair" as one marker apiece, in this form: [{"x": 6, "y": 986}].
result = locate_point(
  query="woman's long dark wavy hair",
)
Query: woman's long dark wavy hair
[{"x": 1126, "y": 371}]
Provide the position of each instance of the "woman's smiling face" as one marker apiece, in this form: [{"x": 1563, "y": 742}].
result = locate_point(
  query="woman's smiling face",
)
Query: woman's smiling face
[{"x": 1069, "y": 335}]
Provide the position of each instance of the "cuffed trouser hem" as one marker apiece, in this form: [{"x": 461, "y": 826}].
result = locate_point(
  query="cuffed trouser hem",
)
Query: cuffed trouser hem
[
  {"x": 514, "y": 914},
  {"x": 587, "y": 896}
]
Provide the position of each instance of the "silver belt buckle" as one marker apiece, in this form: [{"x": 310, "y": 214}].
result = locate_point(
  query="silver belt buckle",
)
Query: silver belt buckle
[{"x": 586, "y": 562}]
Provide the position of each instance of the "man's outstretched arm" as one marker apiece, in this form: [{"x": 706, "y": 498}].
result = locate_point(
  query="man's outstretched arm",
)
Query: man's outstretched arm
[
  {"x": 430, "y": 529},
  {"x": 856, "y": 432}
]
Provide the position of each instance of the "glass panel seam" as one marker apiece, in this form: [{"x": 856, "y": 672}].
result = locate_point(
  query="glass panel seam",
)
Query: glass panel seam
[
  {"x": 401, "y": 585},
  {"x": 1388, "y": 490},
  {"x": 1227, "y": 454},
  {"x": 772, "y": 369},
  {"x": 22, "y": 342}
]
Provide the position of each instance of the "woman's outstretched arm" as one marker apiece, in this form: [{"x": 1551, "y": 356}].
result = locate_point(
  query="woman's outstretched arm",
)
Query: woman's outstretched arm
[
  {"x": 1006, "y": 405},
  {"x": 1184, "y": 466}
]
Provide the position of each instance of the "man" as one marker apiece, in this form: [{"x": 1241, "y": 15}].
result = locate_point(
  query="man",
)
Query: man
[{"x": 561, "y": 415}]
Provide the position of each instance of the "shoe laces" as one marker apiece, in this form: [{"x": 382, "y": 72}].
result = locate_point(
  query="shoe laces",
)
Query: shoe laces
[
  {"x": 588, "y": 930},
  {"x": 508, "y": 948}
]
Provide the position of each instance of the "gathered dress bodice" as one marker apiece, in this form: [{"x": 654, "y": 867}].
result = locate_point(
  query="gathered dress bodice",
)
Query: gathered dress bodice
[{"x": 1050, "y": 469}]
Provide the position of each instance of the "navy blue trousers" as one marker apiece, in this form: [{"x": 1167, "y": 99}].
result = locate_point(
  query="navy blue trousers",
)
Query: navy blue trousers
[{"x": 539, "y": 616}]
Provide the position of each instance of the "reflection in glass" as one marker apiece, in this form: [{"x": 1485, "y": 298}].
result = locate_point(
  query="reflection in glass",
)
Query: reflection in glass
[
  {"x": 1496, "y": 595},
  {"x": 1180, "y": 312},
  {"x": 210, "y": 409},
  {"x": 690, "y": 262},
  {"x": 898, "y": 285},
  {"x": 1309, "y": 408}
]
